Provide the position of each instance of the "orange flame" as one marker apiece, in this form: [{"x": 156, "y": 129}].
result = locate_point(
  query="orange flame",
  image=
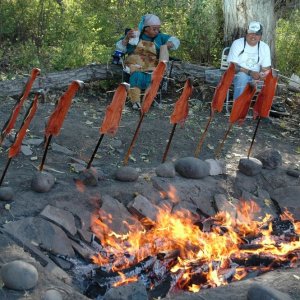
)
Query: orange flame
[
  {"x": 124, "y": 280},
  {"x": 211, "y": 251}
]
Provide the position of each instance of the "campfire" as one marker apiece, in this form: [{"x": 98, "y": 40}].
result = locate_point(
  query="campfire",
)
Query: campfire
[{"x": 179, "y": 251}]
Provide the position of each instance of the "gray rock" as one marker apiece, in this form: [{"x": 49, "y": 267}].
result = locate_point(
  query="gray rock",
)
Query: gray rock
[
  {"x": 126, "y": 174},
  {"x": 263, "y": 292},
  {"x": 6, "y": 193},
  {"x": 52, "y": 295},
  {"x": 85, "y": 235},
  {"x": 19, "y": 275},
  {"x": 89, "y": 177},
  {"x": 250, "y": 167},
  {"x": 77, "y": 168},
  {"x": 143, "y": 207},
  {"x": 60, "y": 149},
  {"x": 191, "y": 167},
  {"x": 39, "y": 231},
  {"x": 265, "y": 205},
  {"x": 199, "y": 192},
  {"x": 26, "y": 150},
  {"x": 115, "y": 143},
  {"x": 112, "y": 207},
  {"x": 132, "y": 291},
  {"x": 166, "y": 170},
  {"x": 42, "y": 182},
  {"x": 185, "y": 208},
  {"x": 216, "y": 167},
  {"x": 288, "y": 197},
  {"x": 222, "y": 204},
  {"x": 270, "y": 158},
  {"x": 243, "y": 182},
  {"x": 34, "y": 141},
  {"x": 60, "y": 217}
]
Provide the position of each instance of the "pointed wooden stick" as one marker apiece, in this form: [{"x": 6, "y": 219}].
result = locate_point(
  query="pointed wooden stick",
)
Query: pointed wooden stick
[
  {"x": 169, "y": 143},
  {"x": 133, "y": 140},
  {"x": 199, "y": 146},
  {"x": 253, "y": 138},
  {"x": 95, "y": 151},
  {"x": 45, "y": 152},
  {"x": 218, "y": 151},
  {"x": 5, "y": 170}
]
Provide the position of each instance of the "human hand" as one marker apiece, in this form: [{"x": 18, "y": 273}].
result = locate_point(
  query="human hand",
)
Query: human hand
[
  {"x": 170, "y": 45},
  {"x": 255, "y": 75}
]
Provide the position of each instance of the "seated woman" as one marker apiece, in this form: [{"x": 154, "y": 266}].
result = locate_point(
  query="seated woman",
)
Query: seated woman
[{"x": 143, "y": 54}]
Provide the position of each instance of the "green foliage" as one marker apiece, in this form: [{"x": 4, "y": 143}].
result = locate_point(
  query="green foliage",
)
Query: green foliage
[
  {"x": 55, "y": 35},
  {"x": 287, "y": 44}
]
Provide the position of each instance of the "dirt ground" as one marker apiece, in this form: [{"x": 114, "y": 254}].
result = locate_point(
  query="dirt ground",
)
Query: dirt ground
[{"x": 80, "y": 134}]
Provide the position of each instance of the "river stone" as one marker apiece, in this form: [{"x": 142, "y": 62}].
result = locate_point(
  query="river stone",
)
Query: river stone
[
  {"x": 166, "y": 170},
  {"x": 270, "y": 158},
  {"x": 42, "y": 182},
  {"x": 6, "y": 193},
  {"x": 126, "y": 174},
  {"x": 19, "y": 275},
  {"x": 250, "y": 166},
  {"x": 216, "y": 167},
  {"x": 52, "y": 295},
  {"x": 263, "y": 292},
  {"x": 132, "y": 291},
  {"x": 191, "y": 167}
]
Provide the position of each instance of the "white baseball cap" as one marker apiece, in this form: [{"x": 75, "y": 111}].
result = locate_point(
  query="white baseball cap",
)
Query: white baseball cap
[{"x": 255, "y": 27}]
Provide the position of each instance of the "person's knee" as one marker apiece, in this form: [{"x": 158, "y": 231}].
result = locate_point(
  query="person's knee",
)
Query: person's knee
[{"x": 241, "y": 77}]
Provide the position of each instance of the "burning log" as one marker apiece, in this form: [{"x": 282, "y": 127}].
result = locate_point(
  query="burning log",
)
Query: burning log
[
  {"x": 102, "y": 281},
  {"x": 177, "y": 254}
]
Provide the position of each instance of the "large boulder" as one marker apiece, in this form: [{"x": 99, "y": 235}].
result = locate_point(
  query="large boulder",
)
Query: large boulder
[{"x": 191, "y": 167}]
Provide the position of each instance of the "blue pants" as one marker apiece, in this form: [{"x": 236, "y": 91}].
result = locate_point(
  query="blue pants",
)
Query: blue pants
[
  {"x": 140, "y": 79},
  {"x": 240, "y": 81}
]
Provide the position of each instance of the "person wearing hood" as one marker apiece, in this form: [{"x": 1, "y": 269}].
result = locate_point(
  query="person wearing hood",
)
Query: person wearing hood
[
  {"x": 251, "y": 56},
  {"x": 143, "y": 48}
]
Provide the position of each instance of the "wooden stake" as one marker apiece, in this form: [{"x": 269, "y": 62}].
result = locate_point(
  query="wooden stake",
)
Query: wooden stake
[
  {"x": 169, "y": 143},
  {"x": 218, "y": 151},
  {"x": 133, "y": 140},
  {"x": 253, "y": 138},
  {"x": 45, "y": 153},
  {"x": 5, "y": 170},
  {"x": 95, "y": 151},
  {"x": 199, "y": 146}
]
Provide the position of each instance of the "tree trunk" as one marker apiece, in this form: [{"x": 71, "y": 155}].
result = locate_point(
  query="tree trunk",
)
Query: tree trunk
[
  {"x": 90, "y": 73},
  {"x": 238, "y": 14}
]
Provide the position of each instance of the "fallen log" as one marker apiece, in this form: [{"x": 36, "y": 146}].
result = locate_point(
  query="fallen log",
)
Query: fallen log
[{"x": 94, "y": 72}]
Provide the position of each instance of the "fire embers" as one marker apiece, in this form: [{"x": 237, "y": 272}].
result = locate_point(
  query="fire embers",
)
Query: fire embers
[{"x": 175, "y": 253}]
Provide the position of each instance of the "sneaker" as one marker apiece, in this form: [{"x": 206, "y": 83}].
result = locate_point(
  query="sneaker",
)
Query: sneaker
[{"x": 136, "y": 106}]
